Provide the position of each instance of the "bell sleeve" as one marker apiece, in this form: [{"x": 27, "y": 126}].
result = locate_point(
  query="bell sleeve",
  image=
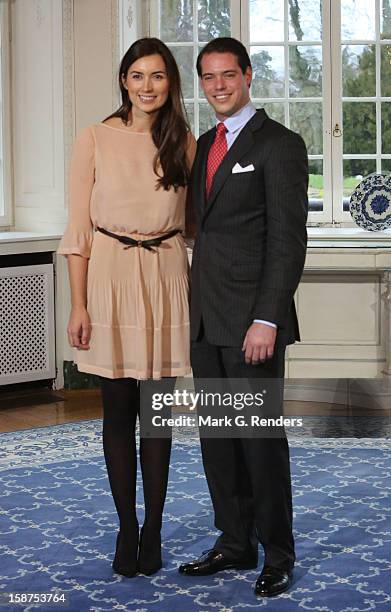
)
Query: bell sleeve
[{"x": 78, "y": 235}]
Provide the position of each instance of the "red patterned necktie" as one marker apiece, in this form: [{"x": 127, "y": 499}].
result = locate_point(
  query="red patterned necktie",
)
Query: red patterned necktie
[{"x": 216, "y": 155}]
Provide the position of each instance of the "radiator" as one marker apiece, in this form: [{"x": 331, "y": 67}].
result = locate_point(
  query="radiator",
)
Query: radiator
[{"x": 27, "y": 336}]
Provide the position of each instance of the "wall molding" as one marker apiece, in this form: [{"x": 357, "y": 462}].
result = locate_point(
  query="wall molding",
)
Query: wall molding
[
  {"x": 115, "y": 50},
  {"x": 68, "y": 88},
  {"x": 132, "y": 22},
  {"x": 38, "y": 135},
  {"x": 39, "y": 15}
]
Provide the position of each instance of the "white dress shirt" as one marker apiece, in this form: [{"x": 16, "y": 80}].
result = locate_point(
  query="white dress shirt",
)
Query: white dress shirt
[{"x": 234, "y": 125}]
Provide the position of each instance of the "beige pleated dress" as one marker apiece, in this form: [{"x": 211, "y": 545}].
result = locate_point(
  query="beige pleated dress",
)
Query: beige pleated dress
[{"x": 137, "y": 299}]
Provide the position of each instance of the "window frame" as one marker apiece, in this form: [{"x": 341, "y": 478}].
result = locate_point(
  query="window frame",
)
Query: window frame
[
  {"x": 338, "y": 214},
  {"x": 323, "y": 217},
  {"x": 6, "y": 216}
]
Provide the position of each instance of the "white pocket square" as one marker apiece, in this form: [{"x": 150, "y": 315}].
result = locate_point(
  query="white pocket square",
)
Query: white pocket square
[{"x": 238, "y": 168}]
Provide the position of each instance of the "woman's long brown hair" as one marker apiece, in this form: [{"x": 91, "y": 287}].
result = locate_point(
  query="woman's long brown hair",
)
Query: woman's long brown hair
[{"x": 170, "y": 128}]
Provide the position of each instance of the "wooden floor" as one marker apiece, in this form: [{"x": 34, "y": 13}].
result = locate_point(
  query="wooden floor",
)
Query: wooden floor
[{"x": 31, "y": 408}]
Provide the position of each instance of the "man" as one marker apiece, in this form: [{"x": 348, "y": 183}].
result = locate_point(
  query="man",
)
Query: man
[{"x": 249, "y": 191}]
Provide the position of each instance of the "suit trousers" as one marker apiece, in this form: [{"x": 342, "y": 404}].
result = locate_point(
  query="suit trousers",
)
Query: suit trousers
[{"x": 249, "y": 478}]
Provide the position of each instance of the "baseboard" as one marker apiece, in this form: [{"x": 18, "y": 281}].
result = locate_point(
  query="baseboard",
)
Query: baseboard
[{"x": 373, "y": 394}]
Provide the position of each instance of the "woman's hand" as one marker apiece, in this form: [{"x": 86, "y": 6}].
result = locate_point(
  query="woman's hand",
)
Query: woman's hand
[{"x": 79, "y": 328}]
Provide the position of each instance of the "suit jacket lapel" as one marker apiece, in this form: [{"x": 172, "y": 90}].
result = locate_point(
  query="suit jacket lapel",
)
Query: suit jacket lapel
[
  {"x": 200, "y": 183},
  {"x": 242, "y": 144},
  {"x": 239, "y": 148}
]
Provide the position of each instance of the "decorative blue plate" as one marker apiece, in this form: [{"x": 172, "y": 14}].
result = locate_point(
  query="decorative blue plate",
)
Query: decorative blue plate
[{"x": 370, "y": 202}]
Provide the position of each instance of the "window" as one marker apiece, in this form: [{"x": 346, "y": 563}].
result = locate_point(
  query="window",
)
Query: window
[
  {"x": 5, "y": 200},
  {"x": 321, "y": 67},
  {"x": 186, "y": 25},
  {"x": 363, "y": 95},
  {"x": 285, "y": 39}
]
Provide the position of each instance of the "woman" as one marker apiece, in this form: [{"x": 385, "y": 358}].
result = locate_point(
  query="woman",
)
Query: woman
[{"x": 129, "y": 277}]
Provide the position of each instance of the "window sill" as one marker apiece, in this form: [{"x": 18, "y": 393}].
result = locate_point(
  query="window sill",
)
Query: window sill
[
  {"x": 348, "y": 235},
  {"x": 12, "y": 243},
  {"x": 26, "y": 236}
]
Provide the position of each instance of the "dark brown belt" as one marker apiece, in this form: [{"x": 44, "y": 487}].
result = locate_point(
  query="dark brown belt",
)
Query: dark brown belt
[{"x": 146, "y": 244}]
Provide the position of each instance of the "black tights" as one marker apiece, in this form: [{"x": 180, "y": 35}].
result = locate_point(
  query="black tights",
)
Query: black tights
[{"x": 121, "y": 406}]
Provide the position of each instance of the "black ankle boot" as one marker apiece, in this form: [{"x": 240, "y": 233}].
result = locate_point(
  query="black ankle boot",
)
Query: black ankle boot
[
  {"x": 125, "y": 560},
  {"x": 150, "y": 552}
]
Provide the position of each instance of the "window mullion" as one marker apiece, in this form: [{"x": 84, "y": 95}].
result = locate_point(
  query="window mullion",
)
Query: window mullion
[
  {"x": 286, "y": 59},
  {"x": 336, "y": 111},
  {"x": 326, "y": 215},
  {"x": 378, "y": 89},
  {"x": 196, "y": 103},
  {"x": 154, "y": 18},
  {"x": 236, "y": 8}
]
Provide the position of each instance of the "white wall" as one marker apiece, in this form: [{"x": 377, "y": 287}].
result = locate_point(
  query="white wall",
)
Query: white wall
[
  {"x": 96, "y": 54},
  {"x": 64, "y": 77}
]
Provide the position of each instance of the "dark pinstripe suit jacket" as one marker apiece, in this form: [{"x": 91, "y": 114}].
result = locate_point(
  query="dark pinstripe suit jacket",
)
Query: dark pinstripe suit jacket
[{"x": 251, "y": 234}]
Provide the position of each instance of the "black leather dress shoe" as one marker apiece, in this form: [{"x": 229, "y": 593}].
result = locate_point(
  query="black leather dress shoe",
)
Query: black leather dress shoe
[
  {"x": 272, "y": 581},
  {"x": 213, "y": 561}
]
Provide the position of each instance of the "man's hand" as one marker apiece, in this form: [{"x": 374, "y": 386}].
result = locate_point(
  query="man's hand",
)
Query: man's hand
[{"x": 259, "y": 343}]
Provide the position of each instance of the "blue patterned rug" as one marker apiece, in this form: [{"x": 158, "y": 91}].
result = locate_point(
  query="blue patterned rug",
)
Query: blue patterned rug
[{"x": 58, "y": 528}]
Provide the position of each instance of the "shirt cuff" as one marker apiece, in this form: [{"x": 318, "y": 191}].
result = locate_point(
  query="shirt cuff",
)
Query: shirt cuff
[{"x": 265, "y": 323}]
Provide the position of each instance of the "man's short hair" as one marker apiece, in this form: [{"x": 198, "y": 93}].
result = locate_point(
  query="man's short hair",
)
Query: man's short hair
[{"x": 226, "y": 45}]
